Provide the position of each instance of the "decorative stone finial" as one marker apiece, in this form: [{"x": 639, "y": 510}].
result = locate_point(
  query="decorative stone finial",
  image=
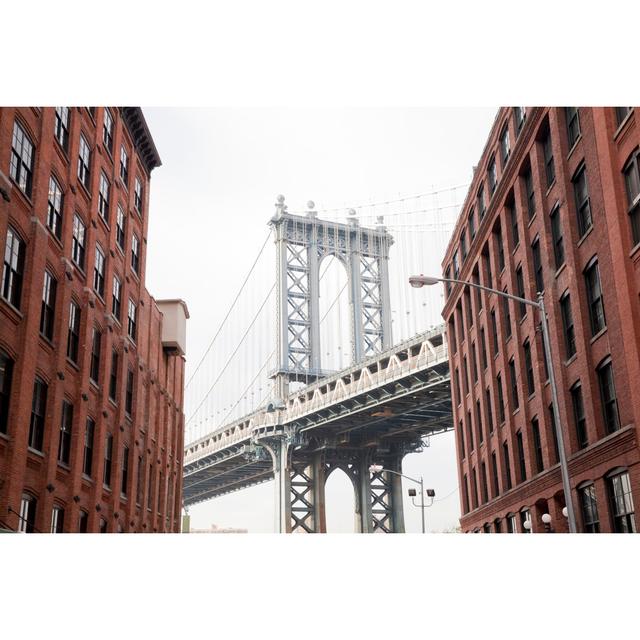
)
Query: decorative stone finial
[
  {"x": 280, "y": 199},
  {"x": 310, "y": 205},
  {"x": 352, "y": 212}
]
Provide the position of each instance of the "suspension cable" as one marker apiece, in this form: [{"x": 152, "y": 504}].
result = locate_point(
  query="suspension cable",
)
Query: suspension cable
[{"x": 233, "y": 304}]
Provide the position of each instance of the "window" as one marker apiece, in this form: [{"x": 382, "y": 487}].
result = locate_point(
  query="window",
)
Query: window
[
  {"x": 494, "y": 332},
  {"x": 48, "y": 305},
  {"x": 455, "y": 261},
  {"x": 589, "y": 506},
  {"x": 472, "y": 224},
  {"x": 62, "y": 126},
  {"x": 474, "y": 365},
  {"x": 73, "y": 334},
  {"x": 500, "y": 398},
  {"x": 497, "y": 526},
  {"x": 578, "y": 415},
  {"x": 556, "y": 449},
  {"x": 483, "y": 349},
  {"x": 622, "y": 113},
  {"x": 160, "y": 490},
  {"x": 87, "y": 458},
  {"x": 482, "y": 209},
  {"x": 120, "y": 227},
  {"x": 6, "y": 376},
  {"x": 489, "y": 411},
  {"x": 520, "y": 114},
  {"x": 513, "y": 217},
  {"x": 507, "y": 466},
  {"x": 521, "y": 293},
  {"x": 466, "y": 494},
  {"x": 84, "y": 162},
  {"x": 124, "y": 166},
  {"x": 128, "y": 403},
  {"x": 38, "y": 412},
  {"x": 94, "y": 367},
  {"x": 583, "y": 205},
  {"x": 103, "y": 197},
  {"x": 13, "y": 268},
  {"x": 98, "y": 272},
  {"x": 470, "y": 432},
  {"x": 487, "y": 264},
  {"x": 479, "y": 422},
  {"x": 521, "y": 457},
  {"x": 77, "y": 241},
  {"x": 135, "y": 257},
  {"x": 139, "y": 481},
  {"x": 549, "y": 167},
  {"x": 467, "y": 304},
  {"x": 21, "y": 165},
  {"x": 512, "y": 523},
  {"x": 525, "y": 516},
  {"x": 537, "y": 265},
  {"x": 116, "y": 299},
  {"x": 632, "y": 182},
  {"x": 108, "y": 447},
  {"x": 107, "y": 130},
  {"x": 531, "y": 387},
  {"x": 125, "y": 471},
  {"x": 150, "y": 491},
  {"x": 452, "y": 335},
  {"x": 103, "y": 526},
  {"x": 499, "y": 248},
  {"x": 137, "y": 195},
  {"x": 461, "y": 440},
  {"x": 514, "y": 383},
  {"x": 505, "y": 148},
  {"x": 621, "y": 499},
  {"x": 608, "y": 396},
  {"x": 567, "y": 324},
  {"x": 594, "y": 297},
  {"x": 556, "y": 233},
  {"x": 64, "y": 445},
  {"x": 457, "y": 388},
  {"x": 492, "y": 174},
  {"x": 83, "y": 521},
  {"x": 27, "y": 514},
  {"x": 537, "y": 445},
  {"x": 131, "y": 319},
  {"x": 57, "y": 519},
  {"x": 483, "y": 480},
  {"x": 529, "y": 191},
  {"x": 573, "y": 125},
  {"x": 113, "y": 379},
  {"x": 54, "y": 211},
  {"x": 494, "y": 471},
  {"x": 507, "y": 316},
  {"x": 463, "y": 245},
  {"x": 474, "y": 485}
]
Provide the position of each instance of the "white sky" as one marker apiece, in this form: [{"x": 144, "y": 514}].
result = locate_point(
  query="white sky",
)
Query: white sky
[{"x": 211, "y": 200}]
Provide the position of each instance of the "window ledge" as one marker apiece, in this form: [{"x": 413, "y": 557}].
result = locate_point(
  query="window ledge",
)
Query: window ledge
[
  {"x": 73, "y": 364},
  {"x": 598, "y": 335},
  {"x": 64, "y": 466},
  {"x": 54, "y": 237},
  {"x": 532, "y": 219},
  {"x": 516, "y": 248},
  {"x": 84, "y": 188},
  {"x": 635, "y": 252},
  {"x": 571, "y": 359},
  {"x": 548, "y": 191},
  {"x": 560, "y": 269},
  {"x": 524, "y": 317},
  {"x": 36, "y": 452},
  {"x": 14, "y": 311},
  {"x": 87, "y": 478},
  {"x": 21, "y": 194},
  {"x": 623, "y": 124},
  {"x": 585, "y": 235},
  {"x": 575, "y": 145},
  {"x": 48, "y": 344},
  {"x": 4, "y": 436}
]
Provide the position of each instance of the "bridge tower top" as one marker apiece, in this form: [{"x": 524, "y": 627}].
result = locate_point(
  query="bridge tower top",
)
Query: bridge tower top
[{"x": 302, "y": 242}]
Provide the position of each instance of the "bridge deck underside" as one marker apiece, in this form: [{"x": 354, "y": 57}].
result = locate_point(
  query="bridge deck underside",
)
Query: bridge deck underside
[{"x": 401, "y": 412}]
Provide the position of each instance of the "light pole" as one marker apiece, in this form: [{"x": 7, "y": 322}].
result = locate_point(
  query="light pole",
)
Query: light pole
[
  {"x": 378, "y": 468},
  {"x": 421, "y": 281}
]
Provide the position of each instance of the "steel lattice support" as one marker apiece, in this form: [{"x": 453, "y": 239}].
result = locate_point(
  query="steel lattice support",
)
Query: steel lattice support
[
  {"x": 307, "y": 482},
  {"x": 302, "y": 242}
]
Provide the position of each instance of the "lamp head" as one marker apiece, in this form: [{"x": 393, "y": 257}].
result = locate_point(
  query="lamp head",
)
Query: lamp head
[
  {"x": 376, "y": 468},
  {"x": 420, "y": 281},
  {"x": 412, "y": 493},
  {"x": 546, "y": 518},
  {"x": 431, "y": 493}
]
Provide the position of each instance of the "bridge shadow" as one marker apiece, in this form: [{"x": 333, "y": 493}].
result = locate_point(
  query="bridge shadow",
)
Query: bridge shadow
[{"x": 340, "y": 503}]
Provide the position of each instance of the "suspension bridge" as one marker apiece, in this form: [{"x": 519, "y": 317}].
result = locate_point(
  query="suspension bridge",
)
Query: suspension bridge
[{"x": 335, "y": 391}]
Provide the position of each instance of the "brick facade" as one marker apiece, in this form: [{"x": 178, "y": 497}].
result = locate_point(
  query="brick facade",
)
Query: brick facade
[
  {"x": 146, "y": 416},
  {"x": 538, "y": 186}
]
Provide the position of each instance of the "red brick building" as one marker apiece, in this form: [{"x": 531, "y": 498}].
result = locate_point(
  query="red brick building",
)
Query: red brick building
[
  {"x": 91, "y": 378},
  {"x": 554, "y": 206}
]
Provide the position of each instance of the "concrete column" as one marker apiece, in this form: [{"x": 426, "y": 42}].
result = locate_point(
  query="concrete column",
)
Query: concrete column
[{"x": 279, "y": 450}]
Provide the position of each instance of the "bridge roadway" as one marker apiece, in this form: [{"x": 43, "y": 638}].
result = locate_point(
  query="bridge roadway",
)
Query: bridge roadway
[{"x": 375, "y": 411}]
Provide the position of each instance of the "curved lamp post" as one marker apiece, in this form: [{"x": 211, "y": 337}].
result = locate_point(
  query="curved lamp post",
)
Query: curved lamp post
[{"x": 421, "y": 281}]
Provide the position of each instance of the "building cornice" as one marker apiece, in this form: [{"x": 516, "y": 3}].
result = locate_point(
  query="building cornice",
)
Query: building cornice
[{"x": 142, "y": 140}]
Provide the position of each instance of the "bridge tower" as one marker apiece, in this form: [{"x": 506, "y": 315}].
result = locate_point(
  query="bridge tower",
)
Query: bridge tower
[{"x": 302, "y": 242}]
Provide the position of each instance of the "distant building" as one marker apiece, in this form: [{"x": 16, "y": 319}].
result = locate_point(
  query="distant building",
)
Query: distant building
[
  {"x": 91, "y": 366},
  {"x": 554, "y": 206},
  {"x": 215, "y": 529}
]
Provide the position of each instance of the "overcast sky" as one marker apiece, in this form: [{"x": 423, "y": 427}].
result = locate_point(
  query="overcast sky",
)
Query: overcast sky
[{"x": 214, "y": 193}]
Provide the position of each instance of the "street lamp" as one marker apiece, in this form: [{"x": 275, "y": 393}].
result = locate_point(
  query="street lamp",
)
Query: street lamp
[
  {"x": 378, "y": 468},
  {"x": 421, "y": 281}
]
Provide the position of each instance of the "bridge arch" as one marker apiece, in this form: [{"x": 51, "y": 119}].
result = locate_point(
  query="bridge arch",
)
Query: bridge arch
[{"x": 340, "y": 501}]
